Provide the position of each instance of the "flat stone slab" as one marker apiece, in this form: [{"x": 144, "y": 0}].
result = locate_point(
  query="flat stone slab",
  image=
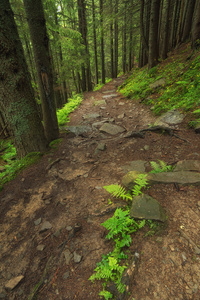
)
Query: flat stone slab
[
  {"x": 45, "y": 226},
  {"x": 110, "y": 96},
  {"x": 179, "y": 177},
  {"x": 188, "y": 165},
  {"x": 172, "y": 117},
  {"x": 99, "y": 103},
  {"x": 111, "y": 128},
  {"x": 137, "y": 165},
  {"x": 197, "y": 128},
  {"x": 12, "y": 283},
  {"x": 108, "y": 91},
  {"x": 79, "y": 129},
  {"x": 158, "y": 83},
  {"x": 91, "y": 116},
  {"x": 146, "y": 207}
]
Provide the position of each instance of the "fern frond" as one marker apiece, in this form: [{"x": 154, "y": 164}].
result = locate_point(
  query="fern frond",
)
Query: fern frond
[
  {"x": 163, "y": 164},
  {"x": 155, "y": 166},
  {"x": 116, "y": 190}
]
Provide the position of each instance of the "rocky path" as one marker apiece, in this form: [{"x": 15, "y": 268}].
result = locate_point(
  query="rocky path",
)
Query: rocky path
[{"x": 50, "y": 233}]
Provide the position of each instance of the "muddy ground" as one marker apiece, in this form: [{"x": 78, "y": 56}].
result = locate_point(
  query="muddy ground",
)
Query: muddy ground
[{"x": 66, "y": 189}]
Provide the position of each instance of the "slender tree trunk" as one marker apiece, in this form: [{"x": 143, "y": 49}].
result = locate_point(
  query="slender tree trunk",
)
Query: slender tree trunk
[
  {"x": 86, "y": 73},
  {"x": 111, "y": 44},
  {"x": 102, "y": 43},
  {"x": 40, "y": 41},
  {"x": 142, "y": 32},
  {"x": 116, "y": 40},
  {"x": 188, "y": 19},
  {"x": 16, "y": 94},
  {"x": 153, "y": 34},
  {"x": 196, "y": 26},
  {"x": 95, "y": 42},
  {"x": 124, "y": 41},
  {"x": 165, "y": 30}
]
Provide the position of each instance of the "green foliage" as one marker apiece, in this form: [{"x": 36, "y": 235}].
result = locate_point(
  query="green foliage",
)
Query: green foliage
[
  {"x": 160, "y": 167},
  {"x": 70, "y": 106},
  {"x": 13, "y": 167},
  {"x": 100, "y": 85},
  {"x": 54, "y": 144},
  {"x": 118, "y": 191},
  {"x": 181, "y": 90},
  {"x": 140, "y": 182}
]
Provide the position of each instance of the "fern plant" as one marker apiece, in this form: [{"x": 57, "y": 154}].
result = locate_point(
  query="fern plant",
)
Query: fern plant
[
  {"x": 160, "y": 167},
  {"x": 119, "y": 227},
  {"x": 117, "y": 191}
]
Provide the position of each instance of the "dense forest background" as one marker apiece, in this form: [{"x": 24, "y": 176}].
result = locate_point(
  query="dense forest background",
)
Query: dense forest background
[{"x": 51, "y": 50}]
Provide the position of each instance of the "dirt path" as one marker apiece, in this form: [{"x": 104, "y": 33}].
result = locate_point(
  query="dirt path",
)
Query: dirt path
[{"x": 66, "y": 189}]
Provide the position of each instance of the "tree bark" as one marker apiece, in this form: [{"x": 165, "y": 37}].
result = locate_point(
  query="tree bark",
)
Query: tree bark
[
  {"x": 196, "y": 27},
  {"x": 102, "y": 43},
  {"x": 116, "y": 40},
  {"x": 111, "y": 45},
  {"x": 17, "y": 101},
  {"x": 95, "y": 42},
  {"x": 165, "y": 30},
  {"x": 188, "y": 20},
  {"x": 153, "y": 34},
  {"x": 40, "y": 41}
]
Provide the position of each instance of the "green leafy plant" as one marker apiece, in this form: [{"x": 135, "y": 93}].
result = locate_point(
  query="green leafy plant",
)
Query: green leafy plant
[
  {"x": 70, "y": 106},
  {"x": 160, "y": 167}
]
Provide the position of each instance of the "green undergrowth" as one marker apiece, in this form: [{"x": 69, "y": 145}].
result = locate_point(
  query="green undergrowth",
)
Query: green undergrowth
[
  {"x": 181, "y": 89},
  {"x": 121, "y": 228},
  {"x": 70, "y": 106},
  {"x": 10, "y": 166},
  {"x": 100, "y": 85}
]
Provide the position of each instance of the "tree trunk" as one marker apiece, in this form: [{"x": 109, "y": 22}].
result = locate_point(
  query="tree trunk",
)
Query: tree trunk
[
  {"x": 111, "y": 44},
  {"x": 153, "y": 34},
  {"x": 116, "y": 40},
  {"x": 86, "y": 73},
  {"x": 102, "y": 43},
  {"x": 40, "y": 41},
  {"x": 188, "y": 20},
  {"x": 196, "y": 27},
  {"x": 17, "y": 97},
  {"x": 142, "y": 32},
  {"x": 95, "y": 42},
  {"x": 124, "y": 42},
  {"x": 165, "y": 30}
]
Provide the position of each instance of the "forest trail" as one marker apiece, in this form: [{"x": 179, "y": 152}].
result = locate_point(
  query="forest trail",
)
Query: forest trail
[{"x": 51, "y": 214}]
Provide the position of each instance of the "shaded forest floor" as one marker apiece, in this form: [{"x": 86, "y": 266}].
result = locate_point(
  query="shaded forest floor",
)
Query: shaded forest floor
[{"x": 66, "y": 188}]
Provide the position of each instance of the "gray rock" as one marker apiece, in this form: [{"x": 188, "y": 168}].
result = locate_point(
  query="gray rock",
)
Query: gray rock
[
  {"x": 101, "y": 147},
  {"x": 121, "y": 103},
  {"x": 45, "y": 226},
  {"x": 77, "y": 257},
  {"x": 79, "y": 130},
  {"x": 69, "y": 228},
  {"x": 146, "y": 147},
  {"x": 158, "y": 83},
  {"x": 40, "y": 247},
  {"x": 38, "y": 221},
  {"x": 110, "y": 96},
  {"x": 172, "y": 117},
  {"x": 12, "y": 283},
  {"x": 99, "y": 103},
  {"x": 68, "y": 255},
  {"x": 91, "y": 116},
  {"x": 179, "y": 177},
  {"x": 2, "y": 296},
  {"x": 66, "y": 275},
  {"x": 108, "y": 91},
  {"x": 111, "y": 129},
  {"x": 146, "y": 207},
  {"x": 188, "y": 165},
  {"x": 121, "y": 116},
  {"x": 135, "y": 165},
  {"x": 197, "y": 128}
]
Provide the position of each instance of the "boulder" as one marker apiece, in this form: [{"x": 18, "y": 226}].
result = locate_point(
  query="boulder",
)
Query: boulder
[
  {"x": 172, "y": 117},
  {"x": 111, "y": 129},
  {"x": 79, "y": 130},
  {"x": 158, "y": 83},
  {"x": 146, "y": 207},
  {"x": 135, "y": 165},
  {"x": 188, "y": 165},
  {"x": 179, "y": 177}
]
